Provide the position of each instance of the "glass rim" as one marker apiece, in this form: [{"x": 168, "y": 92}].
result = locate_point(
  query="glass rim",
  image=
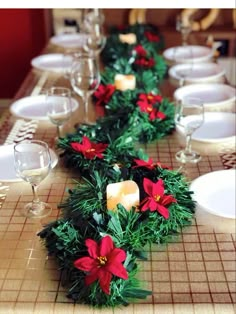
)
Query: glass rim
[
  {"x": 65, "y": 90},
  {"x": 39, "y": 142}
]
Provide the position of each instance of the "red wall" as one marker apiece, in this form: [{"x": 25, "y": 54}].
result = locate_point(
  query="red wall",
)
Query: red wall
[{"x": 22, "y": 37}]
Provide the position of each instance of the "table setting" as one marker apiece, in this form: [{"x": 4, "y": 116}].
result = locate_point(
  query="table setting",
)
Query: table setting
[{"x": 126, "y": 226}]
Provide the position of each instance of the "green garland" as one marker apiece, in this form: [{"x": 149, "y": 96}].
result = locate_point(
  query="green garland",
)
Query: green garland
[
  {"x": 97, "y": 249},
  {"x": 147, "y": 35}
]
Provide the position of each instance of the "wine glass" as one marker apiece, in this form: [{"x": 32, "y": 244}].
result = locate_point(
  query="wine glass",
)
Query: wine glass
[
  {"x": 85, "y": 78},
  {"x": 91, "y": 17},
  {"x": 94, "y": 43},
  {"x": 185, "y": 28},
  {"x": 58, "y": 106},
  {"x": 183, "y": 56},
  {"x": 32, "y": 162},
  {"x": 189, "y": 116}
]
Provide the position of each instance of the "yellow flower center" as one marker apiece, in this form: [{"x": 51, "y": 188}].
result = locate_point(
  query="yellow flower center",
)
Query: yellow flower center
[
  {"x": 157, "y": 198},
  {"x": 102, "y": 260},
  {"x": 150, "y": 97},
  {"x": 90, "y": 150}
]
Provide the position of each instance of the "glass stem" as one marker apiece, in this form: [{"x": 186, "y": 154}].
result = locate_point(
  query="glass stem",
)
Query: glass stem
[
  {"x": 35, "y": 201},
  {"x": 181, "y": 82},
  {"x": 86, "y": 103},
  {"x": 188, "y": 148},
  {"x": 184, "y": 38},
  {"x": 58, "y": 131}
]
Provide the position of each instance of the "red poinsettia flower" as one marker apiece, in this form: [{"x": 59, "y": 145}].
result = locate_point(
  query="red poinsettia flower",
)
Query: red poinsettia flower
[
  {"x": 150, "y": 98},
  {"x": 104, "y": 261},
  {"x": 141, "y": 52},
  {"x": 156, "y": 199},
  {"x": 89, "y": 149},
  {"x": 149, "y": 164},
  {"x": 151, "y": 36},
  {"x": 151, "y": 110},
  {"x": 104, "y": 93},
  {"x": 146, "y": 103},
  {"x": 145, "y": 62}
]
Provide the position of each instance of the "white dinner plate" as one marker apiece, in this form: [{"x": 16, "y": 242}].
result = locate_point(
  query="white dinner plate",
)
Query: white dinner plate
[
  {"x": 73, "y": 40},
  {"x": 198, "y": 54},
  {"x": 214, "y": 192},
  {"x": 34, "y": 107},
  {"x": 212, "y": 94},
  {"x": 7, "y": 170},
  {"x": 52, "y": 62},
  {"x": 197, "y": 73},
  {"x": 217, "y": 127}
]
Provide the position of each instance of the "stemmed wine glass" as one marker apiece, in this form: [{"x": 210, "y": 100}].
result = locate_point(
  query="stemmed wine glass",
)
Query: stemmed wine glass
[
  {"x": 93, "y": 27},
  {"x": 85, "y": 78},
  {"x": 94, "y": 43},
  {"x": 189, "y": 116},
  {"x": 58, "y": 106},
  {"x": 183, "y": 56},
  {"x": 32, "y": 162},
  {"x": 185, "y": 28}
]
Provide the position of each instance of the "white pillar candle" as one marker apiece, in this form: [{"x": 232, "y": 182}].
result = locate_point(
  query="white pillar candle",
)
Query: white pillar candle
[
  {"x": 128, "y": 38},
  {"x": 124, "y": 82},
  {"x": 125, "y": 193}
]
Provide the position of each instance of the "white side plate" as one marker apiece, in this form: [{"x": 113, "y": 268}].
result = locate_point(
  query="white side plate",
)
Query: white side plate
[
  {"x": 52, "y": 62},
  {"x": 198, "y": 73},
  {"x": 34, "y": 107},
  {"x": 198, "y": 54},
  {"x": 73, "y": 40},
  {"x": 212, "y": 94},
  {"x": 214, "y": 192},
  {"x": 217, "y": 127},
  {"x": 7, "y": 170}
]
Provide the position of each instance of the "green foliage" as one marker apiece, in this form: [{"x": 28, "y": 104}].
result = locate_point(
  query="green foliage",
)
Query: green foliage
[{"x": 114, "y": 48}]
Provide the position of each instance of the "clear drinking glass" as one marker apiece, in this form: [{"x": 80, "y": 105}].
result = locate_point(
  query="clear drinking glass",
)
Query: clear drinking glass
[
  {"x": 58, "y": 106},
  {"x": 185, "y": 28},
  {"x": 189, "y": 115},
  {"x": 183, "y": 55},
  {"x": 85, "y": 78},
  {"x": 94, "y": 30},
  {"x": 32, "y": 162},
  {"x": 94, "y": 43}
]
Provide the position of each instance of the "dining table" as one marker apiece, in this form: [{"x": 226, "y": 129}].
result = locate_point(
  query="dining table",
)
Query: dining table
[{"x": 195, "y": 272}]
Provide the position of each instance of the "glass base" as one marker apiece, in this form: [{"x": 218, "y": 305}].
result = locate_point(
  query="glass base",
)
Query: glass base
[
  {"x": 38, "y": 211},
  {"x": 188, "y": 157}
]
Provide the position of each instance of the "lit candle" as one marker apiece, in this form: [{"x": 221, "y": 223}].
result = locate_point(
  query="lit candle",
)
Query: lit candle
[
  {"x": 125, "y": 193},
  {"x": 124, "y": 82},
  {"x": 128, "y": 38}
]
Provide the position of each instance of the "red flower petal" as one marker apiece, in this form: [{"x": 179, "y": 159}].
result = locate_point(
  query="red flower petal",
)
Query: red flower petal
[
  {"x": 168, "y": 199},
  {"x": 117, "y": 256},
  {"x": 92, "y": 276},
  {"x": 106, "y": 246},
  {"x": 93, "y": 248},
  {"x": 152, "y": 204},
  {"x": 163, "y": 211},
  {"x": 158, "y": 188},
  {"x": 85, "y": 263},
  {"x": 76, "y": 146},
  {"x": 160, "y": 115},
  {"x": 104, "y": 281},
  {"x": 118, "y": 270},
  {"x": 86, "y": 143},
  {"x": 142, "y": 163},
  {"x": 145, "y": 204},
  {"x": 153, "y": 189}
]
